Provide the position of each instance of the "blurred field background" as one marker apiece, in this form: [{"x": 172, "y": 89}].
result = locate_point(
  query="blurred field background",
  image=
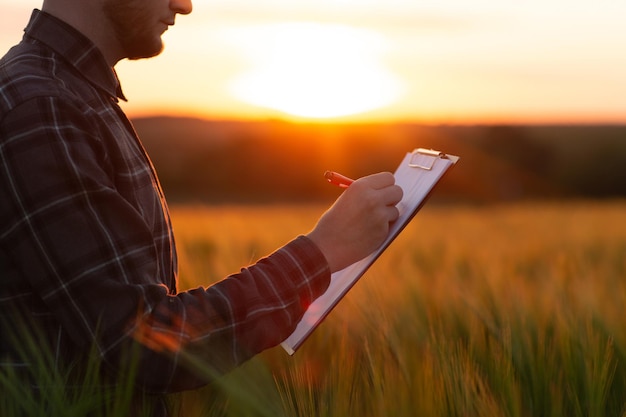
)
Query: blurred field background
[
  {"x": 212, "y": 161},
  {"x": 503, "y": 297},
  {"x": 499, "y": 310}
]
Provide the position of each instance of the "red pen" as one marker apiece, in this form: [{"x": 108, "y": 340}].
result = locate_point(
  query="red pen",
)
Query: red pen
[{"x": 338, "y": 179}]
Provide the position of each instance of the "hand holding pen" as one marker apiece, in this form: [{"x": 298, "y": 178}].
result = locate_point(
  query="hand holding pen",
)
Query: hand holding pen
[{"x": 358, "y": 222}]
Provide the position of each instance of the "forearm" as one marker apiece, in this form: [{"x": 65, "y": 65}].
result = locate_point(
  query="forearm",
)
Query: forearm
[{"x": 224, "y": 325}]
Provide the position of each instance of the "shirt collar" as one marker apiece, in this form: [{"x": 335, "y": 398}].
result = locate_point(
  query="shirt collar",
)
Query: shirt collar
[{"x": 77, "y": 50}]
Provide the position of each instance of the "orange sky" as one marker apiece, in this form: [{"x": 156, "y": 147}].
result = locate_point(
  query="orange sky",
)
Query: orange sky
[{"x": 434, "y": 61}]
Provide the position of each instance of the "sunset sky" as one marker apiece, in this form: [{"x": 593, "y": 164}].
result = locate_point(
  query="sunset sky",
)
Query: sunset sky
[{"x": 454, "y": 61}]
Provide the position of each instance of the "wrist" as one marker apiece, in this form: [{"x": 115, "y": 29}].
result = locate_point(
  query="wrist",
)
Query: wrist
[{"x": 325, "y": 249}]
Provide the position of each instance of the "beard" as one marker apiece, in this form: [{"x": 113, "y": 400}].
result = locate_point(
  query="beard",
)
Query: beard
[{"x": 133, "y": 31}]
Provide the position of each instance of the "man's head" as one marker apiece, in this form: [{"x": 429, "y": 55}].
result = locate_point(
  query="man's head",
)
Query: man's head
[
  {"x": 138, "y": 24},
  {"x": 121, "y": 28}
]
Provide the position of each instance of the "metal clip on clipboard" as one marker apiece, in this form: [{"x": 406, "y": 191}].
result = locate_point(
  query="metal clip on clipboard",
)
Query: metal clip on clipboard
[{"x": 425, "y": 158}]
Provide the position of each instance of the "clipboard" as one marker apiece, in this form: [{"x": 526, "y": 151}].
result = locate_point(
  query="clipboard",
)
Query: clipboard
[{"x": 417, "y": 175}]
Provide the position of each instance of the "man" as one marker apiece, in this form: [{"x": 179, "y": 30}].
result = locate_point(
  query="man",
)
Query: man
[{"x": 86, "y": 247}]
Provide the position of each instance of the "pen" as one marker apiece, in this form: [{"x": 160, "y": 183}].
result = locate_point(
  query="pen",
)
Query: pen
[{"x": 338, "y": 179}]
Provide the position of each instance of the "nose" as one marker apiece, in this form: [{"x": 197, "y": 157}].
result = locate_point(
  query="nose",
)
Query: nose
[{"x": 181, "y": 6}]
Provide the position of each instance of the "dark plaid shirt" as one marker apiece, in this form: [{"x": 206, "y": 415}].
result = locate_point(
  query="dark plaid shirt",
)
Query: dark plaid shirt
[{"x": 86, "y": 245}]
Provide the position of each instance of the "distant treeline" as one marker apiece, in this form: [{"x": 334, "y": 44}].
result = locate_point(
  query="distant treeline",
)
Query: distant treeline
[{"x": 276, "y": 161}]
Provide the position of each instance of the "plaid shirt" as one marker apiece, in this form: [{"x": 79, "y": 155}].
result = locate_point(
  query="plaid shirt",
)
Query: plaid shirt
[{"x": 86, "y": 245}]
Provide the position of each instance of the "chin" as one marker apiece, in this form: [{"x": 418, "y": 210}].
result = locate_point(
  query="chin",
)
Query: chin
[{"x": 141, "y": 50}]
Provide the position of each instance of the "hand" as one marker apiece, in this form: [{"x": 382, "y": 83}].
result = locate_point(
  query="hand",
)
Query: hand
[{"x": 358, "y": 222}]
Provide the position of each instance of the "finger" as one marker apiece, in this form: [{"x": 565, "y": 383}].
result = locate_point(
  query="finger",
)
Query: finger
[
  {"x": 393, "y": 213},
  {"x": 380, "y": 180},
  {"x": 391, "y": 196}
]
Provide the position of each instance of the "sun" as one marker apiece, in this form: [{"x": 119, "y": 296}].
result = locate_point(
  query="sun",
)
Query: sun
[{"x": 315, "y": 70}]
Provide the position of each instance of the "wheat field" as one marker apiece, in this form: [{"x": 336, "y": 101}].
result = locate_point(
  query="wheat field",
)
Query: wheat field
[
  {"x": 499, "y": 310},
  {"x": 511, "y": 310}
]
